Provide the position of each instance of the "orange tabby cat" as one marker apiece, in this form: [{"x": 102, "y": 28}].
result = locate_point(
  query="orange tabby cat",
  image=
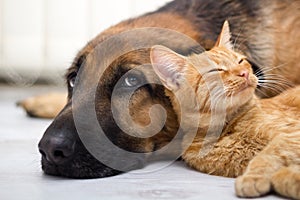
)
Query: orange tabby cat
[{"x": 238, "y": 134}]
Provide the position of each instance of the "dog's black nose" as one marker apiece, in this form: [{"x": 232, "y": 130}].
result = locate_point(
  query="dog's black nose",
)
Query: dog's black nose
[{"x": 56, "y": 150}]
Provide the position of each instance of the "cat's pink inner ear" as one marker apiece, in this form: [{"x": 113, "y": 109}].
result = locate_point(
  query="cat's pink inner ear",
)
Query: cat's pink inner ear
[
  {"x": 224, "y": 37},
  {"x": 168, "y": 65}
]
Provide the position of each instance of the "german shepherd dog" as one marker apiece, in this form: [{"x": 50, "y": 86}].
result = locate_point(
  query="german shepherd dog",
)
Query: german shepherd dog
[{"x": 267, "y": 32}]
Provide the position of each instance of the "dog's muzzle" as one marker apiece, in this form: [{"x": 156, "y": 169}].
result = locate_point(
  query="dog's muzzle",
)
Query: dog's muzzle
[{"x": 63, "y": 153}]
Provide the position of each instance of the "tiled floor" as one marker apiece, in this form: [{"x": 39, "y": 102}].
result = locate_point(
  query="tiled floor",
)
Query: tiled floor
[{"x": 21, "y": 176}]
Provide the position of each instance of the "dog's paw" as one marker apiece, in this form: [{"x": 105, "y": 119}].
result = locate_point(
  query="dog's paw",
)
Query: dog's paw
[
  {"x": 44, "y": 106},
  {"x": 252, "y": 186}
]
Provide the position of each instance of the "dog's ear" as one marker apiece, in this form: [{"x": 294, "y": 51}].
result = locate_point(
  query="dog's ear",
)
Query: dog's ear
[
  {"x": 224, "y": 37},
  {"x": 169, "y": 66}
]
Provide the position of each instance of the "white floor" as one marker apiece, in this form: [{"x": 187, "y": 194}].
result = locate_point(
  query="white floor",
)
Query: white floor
[{"x": 21, "y": 176}]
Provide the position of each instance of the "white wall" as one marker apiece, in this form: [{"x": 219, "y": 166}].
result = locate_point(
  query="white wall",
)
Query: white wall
[{"x": 39, "y": 38}]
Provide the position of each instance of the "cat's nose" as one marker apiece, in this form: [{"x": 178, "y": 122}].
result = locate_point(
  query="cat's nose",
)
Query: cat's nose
[{"x": 244, "y": 73}]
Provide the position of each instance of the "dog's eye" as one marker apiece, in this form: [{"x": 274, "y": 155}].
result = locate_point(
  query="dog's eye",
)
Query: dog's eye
[
  {"x": 72, "y": 81},
  {"x": 131, "y": 81}
]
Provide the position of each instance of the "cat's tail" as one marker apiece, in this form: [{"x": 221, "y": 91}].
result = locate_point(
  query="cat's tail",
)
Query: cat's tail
[{"x": 286, "y": 181}]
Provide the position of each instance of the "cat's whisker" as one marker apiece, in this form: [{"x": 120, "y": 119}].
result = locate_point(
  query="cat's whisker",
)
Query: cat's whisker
[
  {"x": 237, "y": 37},
  {"x": 212, "y": 96},
  {"x": 272, "y": 82},
  {"x": 261, "y": 92},
  {"x": 275, "y": 82},
  {"x": 267, "y": 69},
  {"x": 238, "y": 45},
  {"x": 231, "y": 101},
  {"x": 274, "y": 75},
  {"x": 272, "y": 87},
  {"x": 264, "y": 77},
  {"x": 259, "y": 72},
  {"x": 218, "y": 98},
  {"x": 216, "y": 93},
  {"x": 215, "y": 99},
  {"x": 248, "y": 38},
  {"x": 262, "y": 73},
  {"x": 275, "y": 78}
]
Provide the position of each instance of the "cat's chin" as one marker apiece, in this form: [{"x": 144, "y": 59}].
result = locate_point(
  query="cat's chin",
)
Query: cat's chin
[
  {"x": 240, "y": 97},
  {"x": 246, "y": 90}
]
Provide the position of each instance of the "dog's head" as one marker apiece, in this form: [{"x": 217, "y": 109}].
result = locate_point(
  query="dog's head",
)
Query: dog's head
[{"x": 64, "y": 151}]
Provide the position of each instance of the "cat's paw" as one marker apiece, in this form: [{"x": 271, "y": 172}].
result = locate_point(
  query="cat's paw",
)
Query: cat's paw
[
  {"x": 286, "y": 181},
  {"x": 252, "y": 186}
]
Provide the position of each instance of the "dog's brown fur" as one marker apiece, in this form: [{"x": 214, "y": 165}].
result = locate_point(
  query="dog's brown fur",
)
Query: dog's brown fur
[{"x": 267, "y": 32}]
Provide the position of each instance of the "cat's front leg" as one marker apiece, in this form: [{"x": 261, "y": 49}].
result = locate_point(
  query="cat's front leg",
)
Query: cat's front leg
[
  {"x": 286, "y": 181},
  {"x": 256, "y": 181},
  {"x": 259, "y": 178}
]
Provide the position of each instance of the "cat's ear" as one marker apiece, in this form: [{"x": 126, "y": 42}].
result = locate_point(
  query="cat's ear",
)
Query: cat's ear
[
  {"x": 224, "y": 37},
  {"x": 168, "y": 65}
]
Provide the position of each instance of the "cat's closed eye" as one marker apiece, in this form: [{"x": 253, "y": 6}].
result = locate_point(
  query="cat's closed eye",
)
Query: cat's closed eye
[
  {"x": 216, "y": 70},
  {"x": 242, "y": 60}
]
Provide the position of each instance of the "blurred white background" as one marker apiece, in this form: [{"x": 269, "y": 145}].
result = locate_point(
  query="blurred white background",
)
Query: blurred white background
[{"x": 39, "y": 38}]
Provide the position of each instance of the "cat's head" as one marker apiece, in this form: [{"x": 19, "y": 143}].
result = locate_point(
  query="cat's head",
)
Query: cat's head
[{"x": 219, "y": 76}]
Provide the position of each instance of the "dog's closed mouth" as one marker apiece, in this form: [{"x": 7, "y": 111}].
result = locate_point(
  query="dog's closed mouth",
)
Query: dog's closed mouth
[{"x": 78, "y": 170}]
